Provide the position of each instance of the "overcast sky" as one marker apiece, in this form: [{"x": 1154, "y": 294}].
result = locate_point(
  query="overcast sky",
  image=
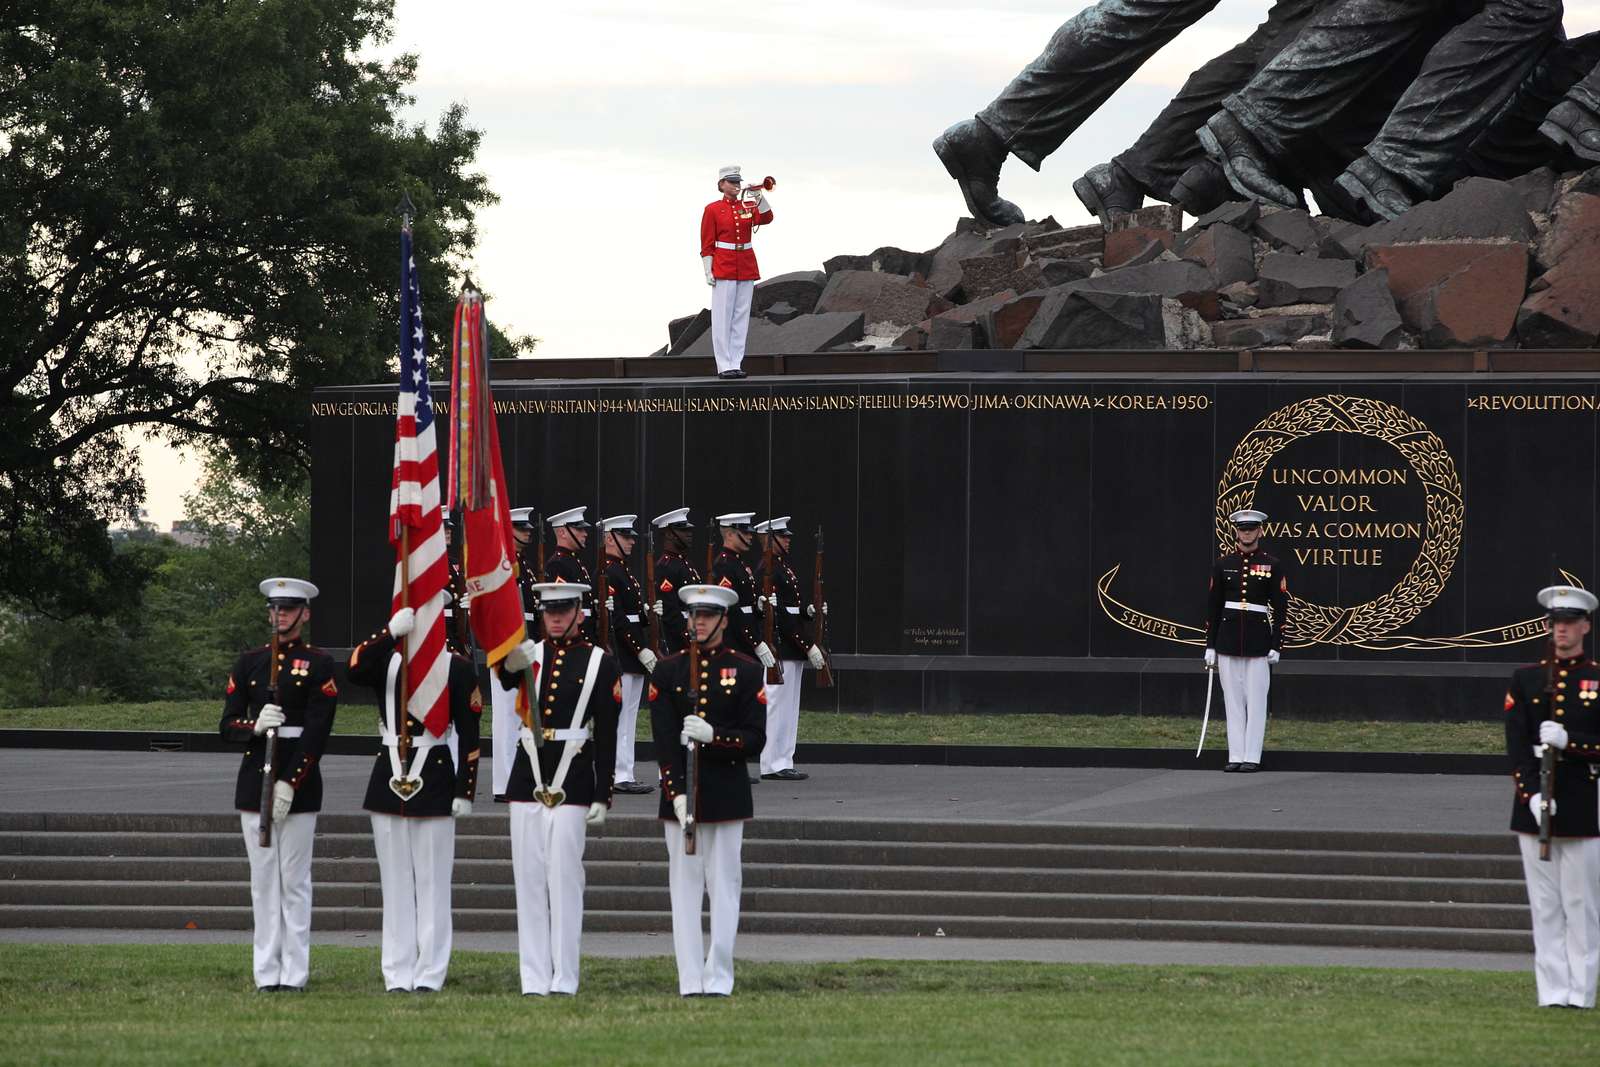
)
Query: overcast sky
[{"x": 604, "y": 126}]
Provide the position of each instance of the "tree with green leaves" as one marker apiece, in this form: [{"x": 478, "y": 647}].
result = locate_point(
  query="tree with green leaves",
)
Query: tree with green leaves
[{"x": 197, "y": 228}]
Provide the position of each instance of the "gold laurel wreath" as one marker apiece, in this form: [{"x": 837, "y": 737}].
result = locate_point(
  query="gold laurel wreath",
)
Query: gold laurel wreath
[{"x": 1427, "y": 456}]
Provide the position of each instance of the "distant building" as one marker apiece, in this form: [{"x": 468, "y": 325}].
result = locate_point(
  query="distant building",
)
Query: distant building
[{"x": 189, "y": 534}]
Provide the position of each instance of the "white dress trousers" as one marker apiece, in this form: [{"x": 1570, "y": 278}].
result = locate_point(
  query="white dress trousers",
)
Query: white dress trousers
[
  {"x": 503, "y": 702},
  {"x": 1566, "y": 922},
  {"x": 730, "y": 321},
  {"x": 713, "y": 871},
  {"x": 627, "y": 725},
  {"x": 1245, "y": 680},
  {"x": 783, "y": 719},
  {"x": 547, "y": 866},
  {"x": 280, "y": 897},
  {"x": 416, "y": 858}
]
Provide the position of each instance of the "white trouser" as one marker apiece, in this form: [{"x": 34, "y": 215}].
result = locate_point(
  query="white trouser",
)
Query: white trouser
[
  {"x": 713, "y": 871},
  {"x": 280, "y": 897},
  {"x": 1244, "y": 693},
  {"x": 547, "y": 866},
  {"x": 632, "y": 690},
  {"x": 730, "y": 321},
  {"x": 415, "y": 861},
  {"x": 503, "y": 702},
  {"x": 783, "y": 719},
  {"x": 1566, "y": 923}
]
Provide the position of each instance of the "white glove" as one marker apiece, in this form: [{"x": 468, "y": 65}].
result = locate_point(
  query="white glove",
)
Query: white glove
[
  {"x": 597, "y": 814},
  {"x": 1273, "y": 657},
  {"x": 1552, "y": 733},
  {"x": 696, "y": 729},
  {"x": 647, "y": 660},
  {"x": 660, "y": 609},
  {"x": 611, "y": 604},
  {"x": 680, "y": 808},
  {"x": 761, "y": 203},
  {"x": 1211, "y": 657},
  {"x": 705, "y": 261},
  {"x": 761, "y": 602},
  {"x": 814, "y": 655},
  {"x": 402, "y": 622},
  {"x": 520, "y": 658},
  {"x": 1533, "y": 805},
  {"x": 282, "y": 800},
  {"x": 764, "y": 654},
  {"x": 460, "y": 806},
  {"x": 270, "y": 718}
]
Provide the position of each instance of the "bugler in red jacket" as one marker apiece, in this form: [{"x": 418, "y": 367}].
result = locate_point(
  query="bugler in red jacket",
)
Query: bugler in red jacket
[{"x": 726, "y": 228}]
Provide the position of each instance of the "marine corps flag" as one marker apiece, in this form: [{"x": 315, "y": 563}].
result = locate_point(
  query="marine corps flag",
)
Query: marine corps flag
[{"x": 478, "y": 487}]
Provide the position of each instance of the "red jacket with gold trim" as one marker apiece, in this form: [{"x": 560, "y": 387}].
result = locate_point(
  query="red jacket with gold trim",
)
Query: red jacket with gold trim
[{"x": 726, "y": 221}]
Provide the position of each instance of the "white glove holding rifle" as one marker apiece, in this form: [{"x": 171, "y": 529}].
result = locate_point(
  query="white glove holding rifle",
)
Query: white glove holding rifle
[
  {"x": 1553, "y": 733},
  {"x": 764, "y": 654},
  {"x": 697, "y": 729},
  {"x": 814, "y": 656},
  {"x": 521, "y": 657},
  {"x": 680, "y": 808},
  {"x": 647, "y": 660},
  {"x": 1533, "y": 805},
  {"x": 1211, "y": 657},
  {"x": 270, "y": 718}
]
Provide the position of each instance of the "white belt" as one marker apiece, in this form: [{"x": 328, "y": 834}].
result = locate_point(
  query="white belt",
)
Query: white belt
[
  {"x": 418, "y": 742},
  {"x": 1237, "y": 605},
  {"x": 792, "y": 611},
  {"x": 579, "y": 733},
  {"x": 733, "y": 248},
  {"x": 529, "y": 616},
  {"x": 746, "y": 610},
  {"x": 287, "y": 732},
  {"x": 633, "y": 618}
]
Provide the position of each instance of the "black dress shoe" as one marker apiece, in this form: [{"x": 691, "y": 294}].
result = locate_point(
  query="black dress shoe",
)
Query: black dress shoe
[
  {"x": 1571, "y": 124},
  {"x": 1109, "y": 192},
  {"x": 1203, "y": 188},
  {"x": 754, "y": 780},
  {"x": 633, "y": 788},
  {"x": 291, "y": 989},
  {"x": 424, "y": 989},
  {"x": 1244, "y": 161},
  {"x": 725, "y": 374},
  {"x": 267, "y": 988},
  {"x": 787, "y": 775},
  {"x": 1384, "y": 194},
  {"x": 738, "y": 372},
  {"x": 1230, "y": 768},
  {"x": 397, "y": 989},
  {"x": 1249, "y": 768},
  {"x": 972, "y": 154}
]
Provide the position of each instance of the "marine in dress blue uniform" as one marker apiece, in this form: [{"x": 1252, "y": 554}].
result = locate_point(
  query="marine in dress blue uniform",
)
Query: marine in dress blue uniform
[{"x": 1248, "y": 603}]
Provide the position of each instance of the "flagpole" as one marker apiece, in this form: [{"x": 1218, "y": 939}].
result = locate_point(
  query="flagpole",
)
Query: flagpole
[{"x": 403, "y": 727}]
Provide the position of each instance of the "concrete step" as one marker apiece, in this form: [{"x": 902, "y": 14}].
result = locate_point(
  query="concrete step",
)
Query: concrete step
[
  {"x": 1401, "y": 937},
  {"x": 630, "y": 825},
  {"x": 823, "y": 876},
  {"x": 654, "y": 898},
  {"x": 834, "y": 852}
]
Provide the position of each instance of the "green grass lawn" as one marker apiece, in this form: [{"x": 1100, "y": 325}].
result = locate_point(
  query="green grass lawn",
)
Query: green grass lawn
[
  {"x": 1083, "y": 731},
  {"x": 160, "y": 1005}
]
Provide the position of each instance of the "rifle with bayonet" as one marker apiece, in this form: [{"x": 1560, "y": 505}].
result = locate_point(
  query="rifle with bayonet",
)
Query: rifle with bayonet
[
  {"x": 602, "y": 617},
  {"x": 538, "y": 573},
  {"x": 819, "y": 617},
  {"x": 691, "y": 759},
  {"x": 651, "y": 592},
  {"x": 774, "y": 672},
  {"x": 1547, "y": 757},
  {"x": 269, "y": 753}
]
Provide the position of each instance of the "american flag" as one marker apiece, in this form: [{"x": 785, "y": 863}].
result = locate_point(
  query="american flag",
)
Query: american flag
[{"x": 414, "y": 515}]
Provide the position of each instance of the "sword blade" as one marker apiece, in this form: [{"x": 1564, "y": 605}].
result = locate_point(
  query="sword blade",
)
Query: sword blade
[{"x": 1206, "y": 720}]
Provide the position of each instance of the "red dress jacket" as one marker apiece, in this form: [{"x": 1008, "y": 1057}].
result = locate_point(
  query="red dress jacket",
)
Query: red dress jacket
[{"x": 726, "y": 223}]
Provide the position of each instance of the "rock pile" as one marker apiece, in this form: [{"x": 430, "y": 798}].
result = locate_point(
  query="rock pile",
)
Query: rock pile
[{"x": 1492, "y": 264}]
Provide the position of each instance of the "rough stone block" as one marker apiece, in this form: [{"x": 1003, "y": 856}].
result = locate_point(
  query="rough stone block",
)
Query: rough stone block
[
  {"x": 1574, "y": 228},
  {"x": 1184, "y": 327},
  {"x": 983, "y": 275},
  {"x": 946, "y": 335},
  {"x": 781, "y": 312},
  {"x": 1224, "y": 251},
  {"x": 1164, "y": 279},
  {"x": 1537, "y": 189},
  {"x": 1003, "y": 325},
  {"x": 1240, "y": 294},
  {"x": 1062, "y": 271},
  {"x": 681, "y": 333},
  {"x": 1089, "y": 320},
  {"x": 1266, "y": 331},
  {"x": 1135, "y": 244},
  {"x": 799, "y": 289},
  {"x": 944, "y": 272},
  {"x": 1364, "y": 315},
  {"x": 1477, "y": 208},
  {"x": 809, "y": 333},
  {"x": 1288, "y": 228},
  {"x": 1064, "y": 244},
  {"x": 1155, "y": 217},
  {"x": 889, "y": 301},
  {"x": 885, "y": 260},
  {"x": 1565, "y": 311},
  {"x": 1236, "y": 213},
  {"x": 1291, "y": 279},
  {"x": 1458, "y": 294}
]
